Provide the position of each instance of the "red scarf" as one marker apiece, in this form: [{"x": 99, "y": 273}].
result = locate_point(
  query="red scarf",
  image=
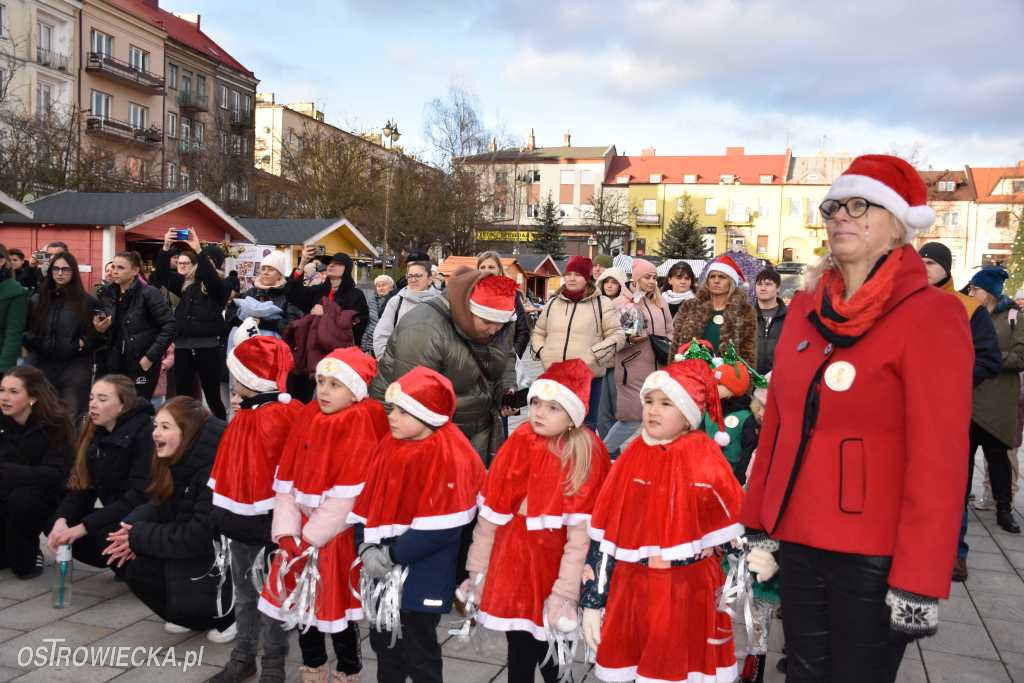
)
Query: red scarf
[{"x": 864, "y": 307}]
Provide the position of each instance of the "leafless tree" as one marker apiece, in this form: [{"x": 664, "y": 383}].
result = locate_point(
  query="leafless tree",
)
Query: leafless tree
[
  {"x": 609, "y": 215},
  {"x": 454, "y": 128}
]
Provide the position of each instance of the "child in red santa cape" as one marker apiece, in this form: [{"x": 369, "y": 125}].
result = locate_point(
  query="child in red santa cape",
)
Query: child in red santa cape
[
  {"x": 323, "y": 469},
  {"x": 669, "y": 500},
  {"x": 420, "y": 493},
  {"x": 242, "y": 481},
  {"x": 530, "y": 541}
]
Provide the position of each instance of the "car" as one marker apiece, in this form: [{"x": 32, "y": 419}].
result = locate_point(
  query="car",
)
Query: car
[{"x": 791, "y": 267}]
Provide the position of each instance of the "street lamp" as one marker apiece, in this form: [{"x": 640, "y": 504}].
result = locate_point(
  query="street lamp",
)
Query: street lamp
[{"x": 390, "y": 133}]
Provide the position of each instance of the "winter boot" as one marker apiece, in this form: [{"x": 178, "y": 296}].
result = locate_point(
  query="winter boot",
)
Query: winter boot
[
  {"x": 1004, "y": 518},
  {"x": 238, "y": 669},
  {"x": 309, "y": 674},
  {"x": 272, "y": 670},
  {"x": 960, "y": 570},
  {"x": 339, "y": 677},
  {"x": 753, "y": 669}
]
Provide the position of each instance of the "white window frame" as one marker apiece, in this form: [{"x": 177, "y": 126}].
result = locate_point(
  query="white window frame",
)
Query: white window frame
[
  {"x": 946, "y": 186},
  {"x": 101, "y": 42},
  {"x": 200, "y": 84},
  {"x": 138, "y": 115},
  {"x": 172, "y": 124},
  {"x": 689, "y": 178},
  {"x": 49, "y": 89},
  {"x": 650, "y": 207},
  {"x": 198, "y": 131},
  {"x": 43, "y": 28},
  {"x": 184, "y": 179},
  {"x": 236, "y": 101},
  {"x": 710, "y": 206},
  {"x": 654, "y": 178},
  {"x": 4, "y": 33},
  {"x": 186, "y": 81},
  {"x": 764, "y": 209},
  {"x": 186, "y": 128},
  {"x": 243, "y": 189},
  {"x": 134, "y": 51},
  {"x": 172, "y": 76},
  {"x": 224, "y": 96},
  {"x": 172, "y": 176},
  {"x": 767, "y": 178},
  {"x": 247, "y": 103},
  {"x": 107, "y": 104},
  {"x": 795, "y": 206}
]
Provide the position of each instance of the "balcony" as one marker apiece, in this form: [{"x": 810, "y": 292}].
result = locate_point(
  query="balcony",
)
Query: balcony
[
  {"x": 122, "y": 131},
  {"x": 190, "y": 101},
  {"x": 648, "y": 219},
  {"x": 190, "y": 146},
  {"x": 124, "y": 72},
  {"x": 54, "y": 60},
  {"x": 738, "y": 218},
  {"x": 241, "y": 118}
]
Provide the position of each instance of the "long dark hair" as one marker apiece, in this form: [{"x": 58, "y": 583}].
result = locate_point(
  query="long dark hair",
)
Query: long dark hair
[
  {"x": 190, "y": 416},
  {"x": 48, "y": 410},
  {"x": 682, "y": 269},
  {"x": 124, "y": 387},
  {"x": 73, "y": 294}
]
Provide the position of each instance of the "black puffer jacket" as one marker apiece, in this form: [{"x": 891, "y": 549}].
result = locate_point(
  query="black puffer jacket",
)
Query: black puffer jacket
[
  {"x": 118, "y": 463},
  {"x": 179, "y": 531},
  {"x": 145, "y": 328},
  {"x": 276, "y": 295},
  {"x": 63, "y": 335},
  {"x": 200, "y": 309},
  {"x": 31, "y": 455}
]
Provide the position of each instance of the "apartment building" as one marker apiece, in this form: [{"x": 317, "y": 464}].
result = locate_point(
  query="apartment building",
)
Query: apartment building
[
  {"x": 951, "y": 196},
  {"x": 38, "y": 60},
  {"x": 999, "y": 204}
]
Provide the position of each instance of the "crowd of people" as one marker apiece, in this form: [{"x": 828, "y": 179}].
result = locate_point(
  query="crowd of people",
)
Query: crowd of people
[{"x": 304, "y": 453}]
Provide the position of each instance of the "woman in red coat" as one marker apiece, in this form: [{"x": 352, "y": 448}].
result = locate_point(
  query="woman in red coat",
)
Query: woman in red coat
[{"x": 860, "y": 472}]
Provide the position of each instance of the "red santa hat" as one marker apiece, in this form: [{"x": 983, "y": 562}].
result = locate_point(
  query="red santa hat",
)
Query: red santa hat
[
  {"x": 494, "y": 299},
  {"x": 891, "y": 182},
  {"x": 262, "y": 364},
  {"x": 727, "y": 266},
  {"x": 567, "y": 383},
  {"x": 690, "y": 385},
  {"x": 351, "y": 367},
  {"x": 425, "y": 394}
]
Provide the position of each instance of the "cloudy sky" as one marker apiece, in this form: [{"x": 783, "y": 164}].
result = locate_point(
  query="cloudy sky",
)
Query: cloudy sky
[{"x": 683, "y": 76}]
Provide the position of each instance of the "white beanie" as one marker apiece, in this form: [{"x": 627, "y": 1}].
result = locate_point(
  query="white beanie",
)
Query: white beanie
[
  {"x": 613, "y": 273},
  {"x": 276, "y": 260}
]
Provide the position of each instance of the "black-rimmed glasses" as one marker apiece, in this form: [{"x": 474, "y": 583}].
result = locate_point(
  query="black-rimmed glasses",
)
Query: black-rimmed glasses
[{"x": 855, "y": 207}]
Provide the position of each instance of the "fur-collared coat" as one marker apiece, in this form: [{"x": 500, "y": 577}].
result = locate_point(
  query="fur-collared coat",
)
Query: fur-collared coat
[{"x": 740, "y": 322}]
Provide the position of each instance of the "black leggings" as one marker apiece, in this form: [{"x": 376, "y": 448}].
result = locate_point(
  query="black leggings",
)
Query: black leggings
[
  {"x": 525, "y": 654},
  {"x": 207, "y": 364},
  {"x": 25, "y": 513},
  {"x": 313, "y": 644},
  {"x": 837, "y": 622}
]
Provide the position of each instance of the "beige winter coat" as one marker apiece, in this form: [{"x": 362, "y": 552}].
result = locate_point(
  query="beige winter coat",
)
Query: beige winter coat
[{"x": 589, "y": 329}]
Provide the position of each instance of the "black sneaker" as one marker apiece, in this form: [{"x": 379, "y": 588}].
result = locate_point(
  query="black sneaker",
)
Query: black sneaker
[
  {"x": 236, "y": 671},
  {"x": 36, "y": 571}
]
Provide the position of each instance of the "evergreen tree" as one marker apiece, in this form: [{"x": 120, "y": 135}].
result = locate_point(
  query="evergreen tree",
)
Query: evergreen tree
[
  {"x": 684, "y": 238},
  {"x": 547, "y": 238},
  {"x": 1016, "y": 264}
]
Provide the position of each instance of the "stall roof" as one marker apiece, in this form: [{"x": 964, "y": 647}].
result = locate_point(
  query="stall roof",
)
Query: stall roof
[
  {"x": 532, "y": 262},
  {"x": 300, "y": 230},
  {"x": 14, "y": 206}
]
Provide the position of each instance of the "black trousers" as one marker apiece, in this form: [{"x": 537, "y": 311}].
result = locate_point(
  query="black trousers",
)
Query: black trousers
[
  {"x": 998, "y": 464},
  {"x": 837, "y": 622},
  {"x": 89, "y": 549},
  {"x": 25, "y": 513},
  {"x": 206, "y": 363},
  {"x": 525, "y": 654},
  {"x": 145, "y": 381},
  {"x": 416, "y": 655},
  {"x": 313, "y": 644},
  {"x": 72, "y": 379},
  {"x": 145, "y": 577}
]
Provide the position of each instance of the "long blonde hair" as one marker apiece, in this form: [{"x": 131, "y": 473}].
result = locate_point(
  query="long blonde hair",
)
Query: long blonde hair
[
  {"x": 490, "y": 256},
  {"x": 575, "y": 449}
]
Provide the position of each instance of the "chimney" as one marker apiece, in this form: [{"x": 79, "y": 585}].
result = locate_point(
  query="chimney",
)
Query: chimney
[
  {"x": 493, "y": 147},
  {"x": 733, "y": 151},
  {"x": 190, "y": 17},
  {"x": 531, "y": 142},
  {"x": 647, "y": 152},
  {"x": 567, "y": 139}
]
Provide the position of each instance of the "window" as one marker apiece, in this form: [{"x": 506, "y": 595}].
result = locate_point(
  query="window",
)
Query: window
[
  {"x": 137, "y": 115},
  {"x": 762, "y": 245},
  {"x": 200, "y": 85},
  {"x": 236, "y": 98},
  {"x": 138, "y": 58},
  {"x": 236, "y": 144},
  {"x": 710, "y": 206},
  {"x": 101, "y": 104},
  {"x": 567, "y": 178},
  {"x": 737, "y": 207},
  {"x": 172, "y": 76},
  {"x": 245, "y": 146},
  {"x": 3, "y": 22},
  {"x": 102, "y": 43},
  {"x": 223, "y": 96},
  {"x": 44, "y": 98},
  {"x": 951, "y": 218},
  {"x": 184, "y": 179},
  {"x": 945, "y": 186},
  {"x": 172, "y": 175},
  {"x": 501, "y": 178},
  {"x": 500, "y": 209},
  {"x": 1002, "y": 219},
  {"x": 172, "y": 124},
  {"x": 186, "y": 128},
  {"x": 793, "y": 207},
  {"x": 764, "y": 209},
  {"x": 135, "y": 167},
  {"x": 243, "y": 189},
  {"x": 690, "y": 178},
  {"x": 655, "y": 178},
  {"x": 199, "y": 132},
  {"x": 767, "y": 178},
  {"x": 247, "y": 103},
  {"x": 650, "y": 207},
  {"x": 1017, "y": 186},
  {"x": 727, "y": 178},
  {"x": 586, "y": 177},
  {"x": 224, "y": 148},
  {"x": 186, "y": 81},
  {"x": 45, "y": 32},
  {"x": 641, "y": 246},
  {"x": 531, "y": 177},
  {"x": 532, "y": 210}
]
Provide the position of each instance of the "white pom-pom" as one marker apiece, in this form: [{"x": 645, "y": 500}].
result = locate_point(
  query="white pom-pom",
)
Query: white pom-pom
[
  {"x": 722, "y": 439},
  {"x": 678, "y": 357},
  {"x": 566, "y": 625},
  {"x": 284, "y": 397},
  {"x": 919, "y": 217}
]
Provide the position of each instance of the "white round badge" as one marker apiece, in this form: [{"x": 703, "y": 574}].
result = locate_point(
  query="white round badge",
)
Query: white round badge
[
  {"x": 840, "y": 375},
  {"x": 731, "y": 421},
  {"x": 718, "y": 319}
]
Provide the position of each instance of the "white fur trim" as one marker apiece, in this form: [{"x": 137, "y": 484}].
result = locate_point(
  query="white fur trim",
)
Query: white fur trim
[
  {"x": 723, "y": 674},
  {"x": 494, "y": 315},
  {"x": 725, "y": 269},
  {"x": 260, "y": 507},
  {"x": 682, "y": 551},
  {"x": 334, "y": 626},
  {"x": 661, "y": 380},
  {"x": 343, "y": 372},
  {"x": 454, "y": 520},
  {"x": 914, "y": 218},
  {"x": 514, "y": 624},
  {"x": 410, "y": 405},
  {"x": 315, "y": 500},
  {"x": 489, "y": 514},
  {"x": 550, "y": 522},
  {"x": 550, "y": 390},
  {"x": 247, "y": 377}
]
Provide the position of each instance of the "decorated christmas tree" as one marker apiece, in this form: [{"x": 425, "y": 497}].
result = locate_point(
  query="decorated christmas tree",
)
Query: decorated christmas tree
[{"x": 547, "y": 238}]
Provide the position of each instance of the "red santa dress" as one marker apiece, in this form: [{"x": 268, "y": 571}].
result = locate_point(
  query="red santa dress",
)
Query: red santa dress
[
  {"x": 528, "y": 545},
  {"x": 665, "y": 502},
  {"x": 324, "y": 467}
]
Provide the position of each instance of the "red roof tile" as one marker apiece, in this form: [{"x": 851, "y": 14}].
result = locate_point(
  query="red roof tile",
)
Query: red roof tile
[
  {"x": 182, "y": 31},
  {"x": 747, "y": 167},
  {"x": 986, "y": 179},
  {"x": 962, "y": 191}
]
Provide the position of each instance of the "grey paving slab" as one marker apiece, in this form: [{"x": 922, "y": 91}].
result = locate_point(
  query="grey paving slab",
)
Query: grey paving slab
[
  {"x": 9, "y": 674},
  {"x": 72, "y": 674},
  {"x": 960, "y": 639},
  {"x": 143, "y": 633},
  {"x": 102, "y": 585},
  {"x": 39, "y": 610},
  {"x": 1009, "y": 542},
  {"x": 73, "y": 635},
  {"x": 1007, "y": 635},
  {"x": 961, "y": 610},
  {"x": 1015, "y": 665},
  {"x": 215, "y": 654},
  {"x": 983, "y": 544},
  {"x": 16, "y": 589},
  {"x": 988, "y": 561},
  {"x": 912, "y": 671},
  {"x": 1006, "y": 583},
  {"x": 999, "y": 606},
  {"x": 1016, "y": 558},
  {"x": 115, "y": 613},
  {"x": 169, "y": 673},
  {"x": 947, "y": 668}
]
